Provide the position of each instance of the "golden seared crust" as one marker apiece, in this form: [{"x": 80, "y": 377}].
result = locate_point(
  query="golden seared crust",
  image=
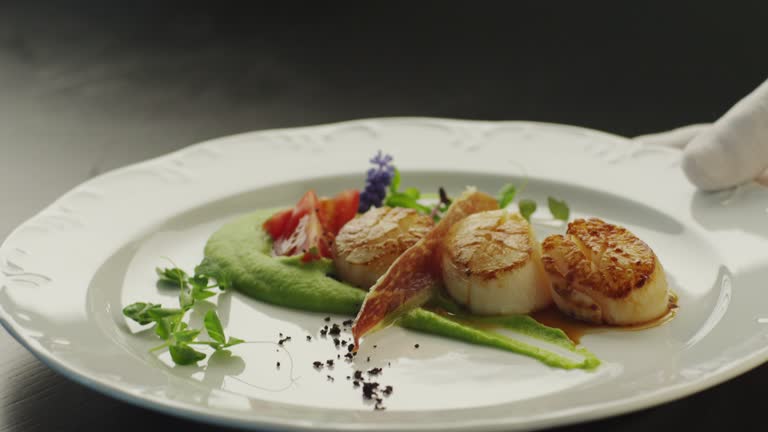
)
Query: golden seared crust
[
  {"x": 600, "y": 256},
  {"x": 486, "y": 243},
  {"x": 409, "y": 281},
  {"x": 379, "y": 232}
]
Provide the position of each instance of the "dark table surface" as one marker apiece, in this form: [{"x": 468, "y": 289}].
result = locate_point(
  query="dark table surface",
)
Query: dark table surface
[{"x": 92, "y": 86}]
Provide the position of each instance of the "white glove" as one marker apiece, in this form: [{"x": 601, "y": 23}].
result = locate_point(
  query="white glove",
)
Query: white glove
[{"x": 729, "y": 152}]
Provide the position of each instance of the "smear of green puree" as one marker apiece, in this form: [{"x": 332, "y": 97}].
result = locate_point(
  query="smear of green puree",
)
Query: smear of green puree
[{"x": 238, "y": 255}]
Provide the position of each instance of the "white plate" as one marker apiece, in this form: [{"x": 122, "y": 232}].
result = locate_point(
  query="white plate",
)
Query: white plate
[{"x": 69, "y": 270}]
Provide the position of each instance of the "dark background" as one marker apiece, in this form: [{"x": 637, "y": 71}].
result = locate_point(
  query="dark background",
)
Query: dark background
[{"x": 89, "y": 86}]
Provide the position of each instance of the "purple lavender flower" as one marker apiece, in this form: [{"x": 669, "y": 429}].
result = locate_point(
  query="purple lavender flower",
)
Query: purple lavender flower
[{"x": 378, "y": 179}]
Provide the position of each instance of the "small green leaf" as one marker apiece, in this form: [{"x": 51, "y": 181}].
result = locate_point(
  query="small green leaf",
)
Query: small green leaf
[
  {"x": 182, "y": 354},
  {"x": 224, "y": 281},
  {"x": 233, "y": 341},
  {"x": 395, "y": 185},
  {"x": 202, "y": 295},
  {"x": 559, "y": 209},
  {"x": 199, "y": 281},
  {"x": 406, "y": 201},
  {"x": 507, "y": 195},
  {"x": 186, "y": 300},
  {"x": 215, "y": 345},
  {"x": 213, "y": 327},
  {"x": 140, "y": 312},
  {"x": 164, "y": 328},
  {"x": 174, "y": 276},
  {"x": 200, "y": 288},
  {"x": 527, "y": 207},
  {"x": 412, "y": 193},
  {"x": 160, "y": 313},
  {"x": 212, "y": 270},
  {"x": 186, "y": 335}
]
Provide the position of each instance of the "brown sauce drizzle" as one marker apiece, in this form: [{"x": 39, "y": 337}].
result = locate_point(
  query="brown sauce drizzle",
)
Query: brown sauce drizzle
[{"x": 575, "y": 329}]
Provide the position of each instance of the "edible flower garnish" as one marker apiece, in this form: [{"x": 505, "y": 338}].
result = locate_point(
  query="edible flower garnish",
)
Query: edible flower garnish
[
  {"x": 382, "y": 187},
  {"x": 377, "y": 180}
]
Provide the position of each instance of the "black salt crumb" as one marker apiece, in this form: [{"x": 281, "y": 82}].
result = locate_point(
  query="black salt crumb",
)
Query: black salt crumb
[
  {"x": 309, "y": 338},
  {"x": 336, "y": 341},
  {"x": 389, "y": 364},
  {"x": 343, "y": 343},
  {"x": 348, "y": 356},
  {"x": 416, "y": 346},
  {"x": 283, "y": 340},
  {"x": 387, "y": 390},
  {"x": 379, "y": 406},
  {"x": 278, "y": 365},
  {"x": 330, "y": 378},
  {"x": 374, "y": 371},
  {"x": 325, "y": 327},
  {"x": 354, "y": 354},
  {"x": 323, "y": 332},
  {"x": 369, "y": 389},
  {"x": 335, "y": 330},
  {"x": 347, "y": 322},
  {"x": 356, "y": 383},
  {"x": 318, "y": 364},
  {"x": 281, "y": 335},
  {"x": 327, "y": 319},
  {"x": 359, "y": 375},
  {"x": 348, "y": 377},
  {"x": 368, "y": 359},
  {"x": 350, "y": 347},
  {"x": 374, "y": 347},
  {"x": 329, "y": 362}
]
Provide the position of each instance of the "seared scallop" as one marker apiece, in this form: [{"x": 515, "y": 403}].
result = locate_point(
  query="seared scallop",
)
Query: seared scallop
[
  {"x": 366, "y": 246},
  {"x": 604, "y": 274},
  {"x": 491, "y": 263}
]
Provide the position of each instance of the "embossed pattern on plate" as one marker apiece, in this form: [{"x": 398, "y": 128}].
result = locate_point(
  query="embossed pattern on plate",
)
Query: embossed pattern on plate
[{"x": 65, "y": 274}]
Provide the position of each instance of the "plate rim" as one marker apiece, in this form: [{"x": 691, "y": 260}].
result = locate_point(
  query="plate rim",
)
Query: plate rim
[{"x": 603, "y": 410}]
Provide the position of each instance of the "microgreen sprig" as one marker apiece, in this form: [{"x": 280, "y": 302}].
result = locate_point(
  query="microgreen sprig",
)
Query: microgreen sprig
[
  {"x": 409, "y": 198},
  {"x": 169, "y": 322},
  {"x": 558, "y": 208}
]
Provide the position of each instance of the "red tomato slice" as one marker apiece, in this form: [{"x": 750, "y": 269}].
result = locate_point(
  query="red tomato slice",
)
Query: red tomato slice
[
  {"x": 307, "y": 204},
  {"x": 310, "y": 227},
  {"x": 347, "y": 203},
  {"x": 337, "y": 211},
  {"x": 298, "y": 231},
  {"x": 275, "y": 225}
]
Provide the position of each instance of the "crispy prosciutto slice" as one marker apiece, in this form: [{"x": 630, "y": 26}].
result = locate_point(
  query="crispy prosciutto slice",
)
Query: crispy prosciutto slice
[{"x": 411, "y": 279}]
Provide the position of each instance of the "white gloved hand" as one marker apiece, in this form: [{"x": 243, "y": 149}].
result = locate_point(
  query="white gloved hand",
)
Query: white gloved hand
[{"x": 729, "y": 152}]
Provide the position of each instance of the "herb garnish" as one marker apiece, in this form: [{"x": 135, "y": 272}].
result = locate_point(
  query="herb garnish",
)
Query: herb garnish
[
  {"x": 558, "y": 208},
  {"x": 409, "y": 198},
  {"x": 507, "y": 195},
  {"x": 383, "y": 187},
  {"x": 169, "y": 322},
  {"x": 526, "y": 207}
]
